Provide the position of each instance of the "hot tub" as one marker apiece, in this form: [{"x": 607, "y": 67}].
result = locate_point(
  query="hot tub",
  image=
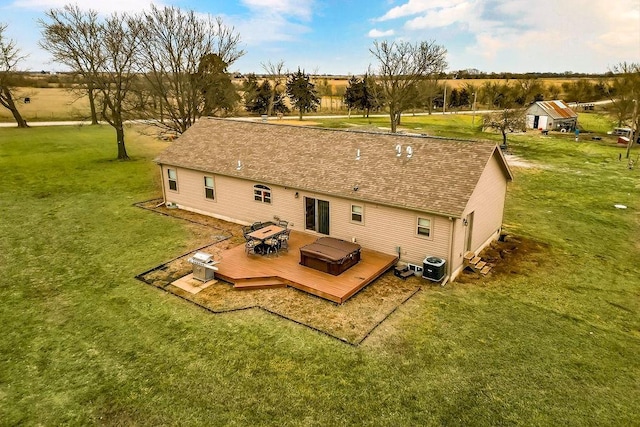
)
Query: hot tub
[{"x": 330, "y": 255}]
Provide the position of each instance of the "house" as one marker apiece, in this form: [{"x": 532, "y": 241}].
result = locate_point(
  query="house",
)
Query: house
[
  {"x": 411, "y": 196},
  {"x": 551, "y": 115}
]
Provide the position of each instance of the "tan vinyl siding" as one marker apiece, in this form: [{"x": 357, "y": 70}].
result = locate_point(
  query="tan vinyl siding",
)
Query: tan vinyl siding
[
  {"x": 487, "y": 204},
  {"x": 385, "y": 228}
]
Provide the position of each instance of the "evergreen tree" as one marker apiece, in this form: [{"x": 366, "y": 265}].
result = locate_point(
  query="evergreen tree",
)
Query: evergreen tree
[
  {"x": 218, "y": 91},
  {"x": 302, "y": 92}
]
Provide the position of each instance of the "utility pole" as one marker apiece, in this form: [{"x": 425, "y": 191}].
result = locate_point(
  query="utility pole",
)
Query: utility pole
[
  {"x": 444, "y": 101},
  {"x": 634, "y": 129},
  {"x": 473, "y": 117}
]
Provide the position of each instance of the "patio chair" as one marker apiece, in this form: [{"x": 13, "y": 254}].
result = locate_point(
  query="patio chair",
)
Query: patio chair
[
  {"x": 283, "y": 238},
  {"x": 283, "y": 224},
  {"x": 273, "y": 244},
  {"x": 256, "y": 226},
  {"x": 245, "y": 232},
  {"x": 250, "y": 247}
]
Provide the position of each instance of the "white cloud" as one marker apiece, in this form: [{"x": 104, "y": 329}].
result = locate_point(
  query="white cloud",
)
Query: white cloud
[
  {"x": 99, "y": 6},
  {"x": 375, "y": 33},
  {"x": 442, "y": 17},
  {"x": 414, "y": 7}
]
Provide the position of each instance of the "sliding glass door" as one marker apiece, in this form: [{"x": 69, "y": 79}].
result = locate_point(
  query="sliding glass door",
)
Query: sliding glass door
[{"x": 316, "y": 215}]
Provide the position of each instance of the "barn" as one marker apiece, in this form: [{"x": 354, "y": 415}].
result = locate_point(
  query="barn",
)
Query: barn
[{"x": 551, "y": 115}]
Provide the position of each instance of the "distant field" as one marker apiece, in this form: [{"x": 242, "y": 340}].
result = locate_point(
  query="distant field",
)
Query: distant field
[{"x": 49, "y": 104}]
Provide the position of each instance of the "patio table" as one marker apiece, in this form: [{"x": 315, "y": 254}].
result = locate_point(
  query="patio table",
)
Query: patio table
[{"x": 265, "y": 233}]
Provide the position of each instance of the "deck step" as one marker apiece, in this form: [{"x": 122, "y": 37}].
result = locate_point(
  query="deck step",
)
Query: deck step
[
  {"x": 480, "y": 265},
  {"x": 485, "y": 270},
  {"x": 475, "y": 260},
  {"x": 469, "y": 256},
  {"x": 260, "y": 283}
]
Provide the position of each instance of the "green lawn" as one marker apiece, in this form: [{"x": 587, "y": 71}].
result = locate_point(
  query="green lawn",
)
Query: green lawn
[{"x": 554, "y": 343}]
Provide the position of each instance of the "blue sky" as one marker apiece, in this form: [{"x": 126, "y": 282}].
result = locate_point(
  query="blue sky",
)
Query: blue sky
[{"x": 334, "y": 36}]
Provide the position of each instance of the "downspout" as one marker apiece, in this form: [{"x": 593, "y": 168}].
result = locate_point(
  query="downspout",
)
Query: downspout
[
  {"x": 450, "y": 264},
  {"x": 164, "y": 193}
]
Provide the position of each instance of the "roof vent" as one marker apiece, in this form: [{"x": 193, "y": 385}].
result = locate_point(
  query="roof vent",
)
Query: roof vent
[
  {"x": 358, "y": 154},
  {"x": 398, "y": 150},
  {"x": 409, "y": 152},
  {"x": 239, "y": 166}
]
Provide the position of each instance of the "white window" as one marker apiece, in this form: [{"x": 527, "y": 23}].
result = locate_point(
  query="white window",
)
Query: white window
[
  {"x": 209, "y": 192},
  {"x": 173, "y": 179},
  {"x": 357, "y": 214},
  {"x": 424, "y": 227},
  {"x": 261, "y": 193}
]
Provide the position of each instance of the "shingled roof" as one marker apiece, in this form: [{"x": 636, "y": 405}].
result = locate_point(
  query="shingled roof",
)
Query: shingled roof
[{"x": 439, "y": 177}]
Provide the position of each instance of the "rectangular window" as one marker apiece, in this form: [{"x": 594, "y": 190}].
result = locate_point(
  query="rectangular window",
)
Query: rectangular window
[
  {"x": 173, "y": 179},
  {"x": 424, "y": 227},
  {"x": 209, "y": 192},
  {"x": 356, "y": 213}
]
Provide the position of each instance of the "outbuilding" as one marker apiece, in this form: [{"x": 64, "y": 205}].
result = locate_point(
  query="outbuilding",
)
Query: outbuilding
[{"x": 551, "y": 115}]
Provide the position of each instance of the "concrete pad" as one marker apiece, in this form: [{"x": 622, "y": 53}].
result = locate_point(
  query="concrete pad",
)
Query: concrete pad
[{"x": 191, "y": 285}]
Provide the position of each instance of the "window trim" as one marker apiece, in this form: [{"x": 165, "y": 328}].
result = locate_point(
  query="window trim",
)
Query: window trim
[
  {"x": 262, "y": 194},
  {"x": 361, "y": 213},
  {"x": 212, "y": 187},
  {"x": 174, "y": 179},
  {"x": 418, "y": 227}
]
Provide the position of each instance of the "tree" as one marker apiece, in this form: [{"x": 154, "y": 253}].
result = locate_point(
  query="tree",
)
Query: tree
[
  {"x": 218, "y": 91},
  {"x": 401, "y": 65},
  {"x": 360, "y": 94},
  {"x": 431, "y": 93},
  {"x": 111, "y": 69},
  {"x": 277, "y": 74},
  {"x": 10, "y": 57},
  {"x": 506, "y": 120},
  {"x": 259, "y": 97},
  {"x": 624, "y": 93},
  {"x": 174, "y": 47},
  {"x": 302, "y": 92},
  {"x": 527, "y": 91},
  {"x": 73, "y": 38}
]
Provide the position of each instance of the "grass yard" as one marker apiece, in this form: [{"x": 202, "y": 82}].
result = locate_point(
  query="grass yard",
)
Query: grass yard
[{"x": 554, "y": 341}]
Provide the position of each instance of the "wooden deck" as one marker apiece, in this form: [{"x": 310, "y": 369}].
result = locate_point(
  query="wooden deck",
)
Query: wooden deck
[{"x": 248, "y": 271}]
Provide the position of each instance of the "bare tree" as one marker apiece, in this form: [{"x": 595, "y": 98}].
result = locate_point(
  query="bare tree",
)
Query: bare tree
[
  {"x": 624, "y": 93},
  {"x": 277, "y": 73},
  {"x": 173, "y": 46},
  {"x": 401, "y": 65},
  {"x": 73, "y": 38},
  {"x": 10, "y": 57},
  {"x": 506, "y": 120},
  {"x": 103, "y": 52}
]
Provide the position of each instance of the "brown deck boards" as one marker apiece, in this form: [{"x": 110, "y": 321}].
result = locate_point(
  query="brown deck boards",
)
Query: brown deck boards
[{"x": 237, "y": 266}]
